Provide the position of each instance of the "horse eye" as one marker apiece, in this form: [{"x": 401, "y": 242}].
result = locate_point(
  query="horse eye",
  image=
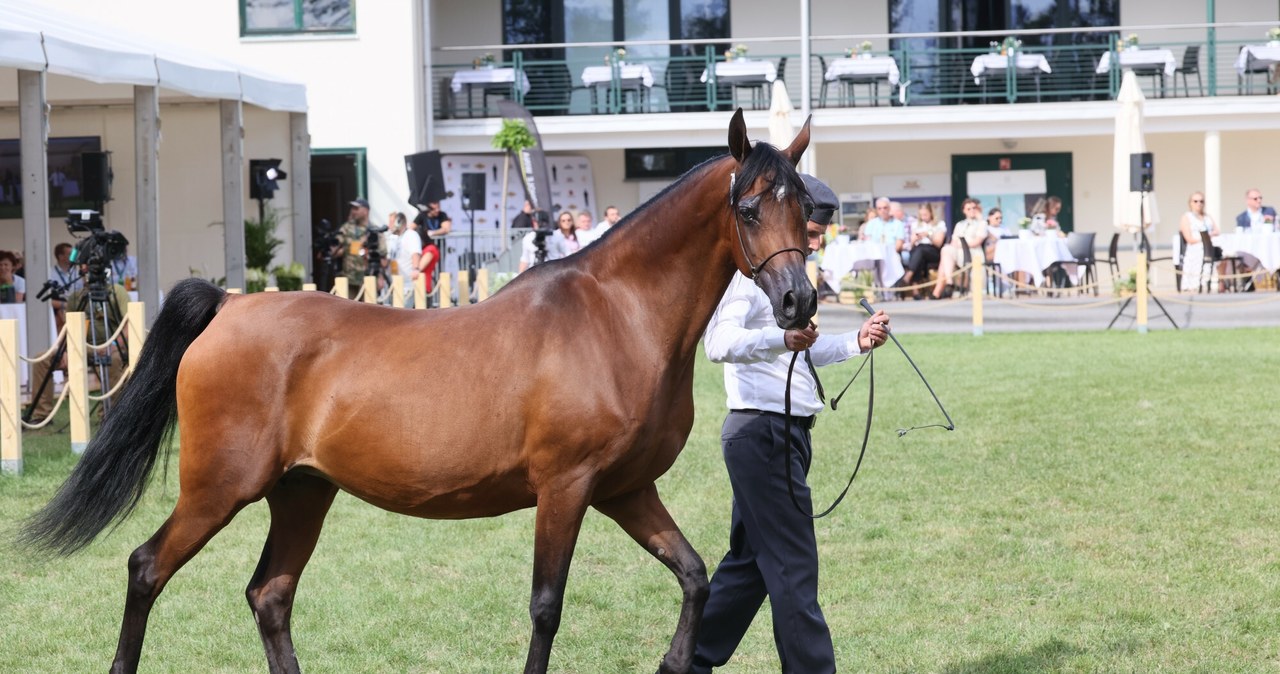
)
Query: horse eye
[{"x": 749, "y": 215}]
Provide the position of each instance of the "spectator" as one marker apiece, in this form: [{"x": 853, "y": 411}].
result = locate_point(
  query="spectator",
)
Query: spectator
[
  {"x": 565, "y": 239},
  {"x": 124, "y": 270},
  {"x": 772, "y": 551},
  {"x": 884, "y": 229},
  {"x": 433, "y": 223},
  {"x": 611, "y": 217},
  {"x": 524, "y": 219},
  {"x": 1256, "y": 217},
  {"x": 974, "y": 232},
  {"x": 554, "y": 250},
  {"x": 13, "y": 288},
  {"x": 408, "y": 252},
  {"x": 586, "y": 230},
  {"x": 927, "y": 237},
  {"x": 427, "y": 264},
  {"x": 351, "y": 239},
  {"x": 1195, "y": 225}
]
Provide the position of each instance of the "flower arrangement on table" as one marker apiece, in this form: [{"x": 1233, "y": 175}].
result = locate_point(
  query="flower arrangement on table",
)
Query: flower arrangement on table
[
  {"x": 486, "y": 61},
  {"x": 738, "y": 51},
  {"x": 618, "y": 56},
  {"x": 1010, "y": 45},
  {"x": 1131, "y": 42},
  {"x": 863, "y": 50},
  {"x": 1273, "y": 35},
  {"x": 1024, "y": 222}
]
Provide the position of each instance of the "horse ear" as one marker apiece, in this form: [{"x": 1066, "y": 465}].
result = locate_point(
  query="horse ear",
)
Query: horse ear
[
  {"x": 801, "y": 142},
  {"x": 739, "y": 144}
]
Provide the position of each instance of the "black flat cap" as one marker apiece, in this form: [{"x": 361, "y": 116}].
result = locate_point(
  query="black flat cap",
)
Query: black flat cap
[{"x": 825, "y": 201}]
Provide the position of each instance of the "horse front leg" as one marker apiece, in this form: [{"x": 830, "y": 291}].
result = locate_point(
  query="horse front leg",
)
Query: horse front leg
[
  {"x": 642, "y": 515},
  {"x": 559, "y": 519}
]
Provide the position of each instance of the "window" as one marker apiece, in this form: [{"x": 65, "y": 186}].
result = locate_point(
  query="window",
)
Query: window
[{"x": 273, "y": 17}]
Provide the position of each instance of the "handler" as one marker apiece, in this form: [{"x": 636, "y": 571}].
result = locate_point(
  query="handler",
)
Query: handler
[{"x": 772, "y": 549}]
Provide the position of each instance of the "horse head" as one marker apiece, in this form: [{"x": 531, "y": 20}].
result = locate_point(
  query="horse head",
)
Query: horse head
[{"x": 769, "y": 209}]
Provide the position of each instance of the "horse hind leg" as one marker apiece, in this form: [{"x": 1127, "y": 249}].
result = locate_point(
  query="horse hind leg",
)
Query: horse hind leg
[
  {"x": 298, "y": 503},
  {"x": 558, "y": 521},
  {"x": 642, "y": 515},
  {"x": 196, "y": 518}
]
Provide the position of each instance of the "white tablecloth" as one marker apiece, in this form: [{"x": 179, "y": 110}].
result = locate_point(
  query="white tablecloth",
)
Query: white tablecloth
[
  {"x": 1140, "y": 57},
  {"x": 1022, "y": 61},
  {"x": 1256, "y": 248},
  {"x": 487, "y": 76},
  {"x": 843, "y": 256},
  {"x": 1033, "y": 255},
  {"x": 627, "y": 73},
  {"x": 876, "y": 66},
  {"x": 739, "y": 70},
  {"x": 1257, "y": 55}
]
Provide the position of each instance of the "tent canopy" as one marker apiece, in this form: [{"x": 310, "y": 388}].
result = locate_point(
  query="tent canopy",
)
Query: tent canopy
[{"x": 37, "y": 38}]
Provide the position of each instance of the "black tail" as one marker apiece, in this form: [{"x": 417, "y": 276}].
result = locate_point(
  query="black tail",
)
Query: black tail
[{"x": 110, "y": 478}]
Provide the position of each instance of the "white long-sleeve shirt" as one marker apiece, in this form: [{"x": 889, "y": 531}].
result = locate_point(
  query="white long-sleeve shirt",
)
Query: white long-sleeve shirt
[{"x": 745, "y": 337}]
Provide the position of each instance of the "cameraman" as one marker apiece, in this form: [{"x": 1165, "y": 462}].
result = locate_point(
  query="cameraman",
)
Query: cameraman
[
  {"x": 351, "y": 241},
  {"x": 79, "y": 300}
]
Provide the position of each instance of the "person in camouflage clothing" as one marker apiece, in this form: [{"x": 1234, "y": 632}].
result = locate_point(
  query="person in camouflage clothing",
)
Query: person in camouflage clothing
[{"x": 351, "y": 238}]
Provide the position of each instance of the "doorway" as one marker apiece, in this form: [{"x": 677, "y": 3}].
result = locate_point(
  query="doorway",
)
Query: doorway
[{"x": 338, "y": 175}]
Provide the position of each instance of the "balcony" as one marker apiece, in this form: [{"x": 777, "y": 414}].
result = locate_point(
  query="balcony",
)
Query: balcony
[{"x": 1056, "y": 66}]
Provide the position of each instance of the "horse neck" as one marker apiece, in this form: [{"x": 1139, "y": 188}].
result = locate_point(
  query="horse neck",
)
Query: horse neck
[{"x": 674, "y": 258}]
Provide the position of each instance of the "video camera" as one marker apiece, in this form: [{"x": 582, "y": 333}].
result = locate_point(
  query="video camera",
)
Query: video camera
[
  {"x": 373, "y": 257},
  {"x": 100, "y": 247},
  {"x": 541, "y": 230}
]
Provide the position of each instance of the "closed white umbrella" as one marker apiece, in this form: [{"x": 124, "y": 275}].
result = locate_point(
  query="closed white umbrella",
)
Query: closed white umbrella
[
  {"x": 1130, "y": 212},
  {"x": 780, "y": 131}
]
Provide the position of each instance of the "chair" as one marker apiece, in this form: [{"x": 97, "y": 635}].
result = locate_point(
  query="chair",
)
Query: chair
[
  {"x": 1244, "y": 80},
  {"x": 1190, "y": 65},
  {"x": 550, "y": 88},
  {"x": 1080, "y": 244},
  {"x": 782, "y": 71},
  {"x": 1112, "y": 260},
  {"x": 822, "y": 77}
]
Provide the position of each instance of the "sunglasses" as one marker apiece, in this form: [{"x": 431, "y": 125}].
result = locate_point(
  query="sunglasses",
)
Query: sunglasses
[{"x": 1197, "y": 201}]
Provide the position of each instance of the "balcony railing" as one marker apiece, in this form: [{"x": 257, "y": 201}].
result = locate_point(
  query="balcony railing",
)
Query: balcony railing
[{"x": 925, "y": 75}]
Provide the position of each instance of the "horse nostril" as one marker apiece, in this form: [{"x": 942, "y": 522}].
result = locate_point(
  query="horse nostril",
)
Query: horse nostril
[{"x": 789, "y": 304}]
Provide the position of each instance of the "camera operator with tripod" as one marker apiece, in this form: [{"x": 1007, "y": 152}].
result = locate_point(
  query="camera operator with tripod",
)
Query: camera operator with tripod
[
  {"x": 97, "y": 295},
  {"x": 363, "y": 248}
]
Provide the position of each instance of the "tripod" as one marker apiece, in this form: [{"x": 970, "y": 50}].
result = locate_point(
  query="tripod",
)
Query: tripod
[
  {"x": 104, "y": 313},
  {"x": 471, "y": 246},
  {"x": 1137, "y": 248}
]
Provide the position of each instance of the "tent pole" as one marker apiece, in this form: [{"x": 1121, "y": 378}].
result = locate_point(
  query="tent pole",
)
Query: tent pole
[{"x": 33, "y": 131}]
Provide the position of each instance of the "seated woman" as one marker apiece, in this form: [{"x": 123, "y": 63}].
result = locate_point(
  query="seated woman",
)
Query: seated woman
[
  {"x": 973, "y": 231},
  {"x": 13, "y": 288},
  {"x": 1195, "y": 223},
  {"x": 927, "y": 237}
]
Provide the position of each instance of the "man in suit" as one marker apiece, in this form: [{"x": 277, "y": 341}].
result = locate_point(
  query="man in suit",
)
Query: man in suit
[{"x": 1256, "y": 217}]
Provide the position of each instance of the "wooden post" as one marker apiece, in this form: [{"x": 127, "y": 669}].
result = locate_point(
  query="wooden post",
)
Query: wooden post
[
  {"x": 340, "y": 287},
  {"x": 811, "y": 268},
  {"x": 137, "y": 332},
  {"x": 464, "y": 287},
  {"x": 1142, "y": 292},
  {"x": 977, "y": 286},
  {"x": 232, "y": 146},
  {"x": 270, "y": 289},
  {"x": 309, "y": 287},
  {"x": 78, "y": 379},
  {"x": 482, "y": 284},
  {"x": 446, "y": 297},
  {"x": 397, "y": 291},
  {"x": 10, "y": 414},
  {"x": 146, "y": 152},
  {"x": 371, "y": 290},
  {"x": 420, "y": 292},
  {"x": 234, "y": 291}
]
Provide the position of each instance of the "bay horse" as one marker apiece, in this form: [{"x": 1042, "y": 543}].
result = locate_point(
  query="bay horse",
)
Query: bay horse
[{"x": 272, "y": 400}]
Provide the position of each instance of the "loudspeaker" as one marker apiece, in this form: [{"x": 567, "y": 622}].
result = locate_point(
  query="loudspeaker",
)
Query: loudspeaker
[
  {"x": 426, "y": 178},
  {"x": 473, "y": 191},
  {"x": 96, "y": 176},
  {"x": 1141, "y": 172}
]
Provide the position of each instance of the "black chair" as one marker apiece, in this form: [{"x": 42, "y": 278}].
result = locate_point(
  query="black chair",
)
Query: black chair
[
  {"x": 822, "y": 77},
  {"x": 1190, "y": 65},
  {"x": 550, "y": 88},
  {"x": 1244, "y": 80},
  {"x": 1080, "y": 244},
  {"x": 1112, "y": 260},
  {"x": 782, "y": 71}
]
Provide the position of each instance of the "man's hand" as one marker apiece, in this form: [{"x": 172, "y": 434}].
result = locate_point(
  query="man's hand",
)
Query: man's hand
[
  {"x": 799, "y": 340},
  {"x": 874, "y": 332}
]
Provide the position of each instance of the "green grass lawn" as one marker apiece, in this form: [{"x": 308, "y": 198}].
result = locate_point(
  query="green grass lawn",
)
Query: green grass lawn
[{"x": 1106, "y": 503}]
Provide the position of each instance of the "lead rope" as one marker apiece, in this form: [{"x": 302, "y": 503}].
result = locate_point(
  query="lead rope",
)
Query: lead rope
[{"x": 866, "y": 432}]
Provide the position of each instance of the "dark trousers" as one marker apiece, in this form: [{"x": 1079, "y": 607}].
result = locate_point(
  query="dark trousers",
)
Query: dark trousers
[
  {"x": 772, "y": 552},
  {"x": 924, "y": 256}
]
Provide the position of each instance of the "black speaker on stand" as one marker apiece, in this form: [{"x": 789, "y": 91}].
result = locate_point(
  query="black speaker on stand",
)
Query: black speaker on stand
[
  {"x": 473, "y": 199},
  {"x": 96, "y": 177},
  {"x": 1142, "y": 180},
  {"x": 426, "y": 177},
  {"x": 1141, "y": 172}
]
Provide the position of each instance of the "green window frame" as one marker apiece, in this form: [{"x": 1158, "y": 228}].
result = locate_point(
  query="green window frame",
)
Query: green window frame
[{"x": 297, "y": 23}]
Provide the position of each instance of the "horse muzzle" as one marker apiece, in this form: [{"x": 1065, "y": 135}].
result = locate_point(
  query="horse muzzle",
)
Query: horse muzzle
[{"x": 794, "y": 299}]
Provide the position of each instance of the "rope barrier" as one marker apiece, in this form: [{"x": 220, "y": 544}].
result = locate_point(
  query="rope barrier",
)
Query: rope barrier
[
  {"x": 1210, "y": 305},
  {"x": 916, "y": 286},
  {"x": 119, "y": 329},
  {"x": 114, "y": 389},
  {"x": 57, "y": 405},
  {"x": 61, "y": 333},
  {"x": 1054, "y": 307}
]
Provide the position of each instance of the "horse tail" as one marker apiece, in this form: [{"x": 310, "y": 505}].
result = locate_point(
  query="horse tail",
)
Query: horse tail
[{"x": 111, "y": 476}]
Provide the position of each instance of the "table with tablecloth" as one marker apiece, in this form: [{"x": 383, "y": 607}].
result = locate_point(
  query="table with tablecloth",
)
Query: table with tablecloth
[
  {"x": 1253, "y": 56},
  {"x": 859, "y": 68},
  {"x": 755, "y": 75},
  {"x": 1256, "y": 249},
  {"x": 1023, "y": 62},
  {"x": 1152, "y": 59},
  {"x": 842, "y": 256},
  {"x": 486, "y": 79},
  {"x": 636, "y": 77},
  {"x": 1034, "y": 255}
]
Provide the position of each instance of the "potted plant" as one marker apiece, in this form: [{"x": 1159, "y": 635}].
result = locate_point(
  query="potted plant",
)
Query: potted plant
[
  {"x": 512, "y": 138},
  {"x": 1010, "y": 46},
  {"x": 617, "y": 56},
  {"x": 1273, "y": 37},
  {"x": 1127, "y": 286},
  {"x": 1131, "y": 42},
  {"x": 486, "y": 60},
  {"x": 260, "y": 244},
  {"x": 289, "y": 277},
  {"x": 255, "y": 280},
  {"x": 738, "y": 51}
]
